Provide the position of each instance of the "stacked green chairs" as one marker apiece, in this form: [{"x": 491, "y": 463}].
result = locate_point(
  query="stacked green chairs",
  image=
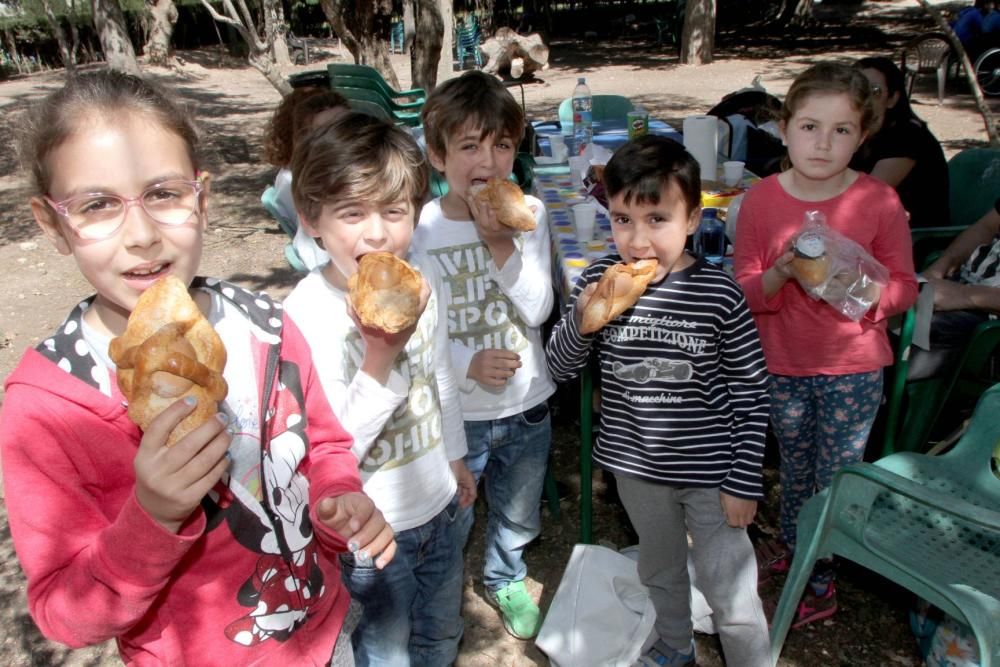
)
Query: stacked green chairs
[
  {"x": 603, "y": 108},
  {"x": 340, "y": 81},
  {"x": 397, "y": 36},
  {"x": 928, "y": 523},
  {"x": 467, "y": 38},
  {"x": 343, "y": 72}
]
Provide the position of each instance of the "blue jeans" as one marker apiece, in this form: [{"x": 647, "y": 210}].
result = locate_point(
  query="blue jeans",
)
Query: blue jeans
[
  {"x": 413, "y": 608},
  {"x": 513, "y": 453}
]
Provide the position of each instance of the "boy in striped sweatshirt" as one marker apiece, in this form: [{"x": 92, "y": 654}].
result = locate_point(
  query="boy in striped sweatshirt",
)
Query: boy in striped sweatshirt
[{"x": 684, "y": 406}]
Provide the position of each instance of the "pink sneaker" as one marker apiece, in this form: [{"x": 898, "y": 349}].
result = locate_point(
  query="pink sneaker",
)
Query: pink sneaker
[{"x": 814, "y": 607}]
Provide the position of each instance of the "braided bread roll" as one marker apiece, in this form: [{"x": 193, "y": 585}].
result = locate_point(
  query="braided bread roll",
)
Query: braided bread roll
[
  {"x": 617, "y": 291},
  {"x": 507, "y": 201},
  {"x": 169, "y": 351},
  {"x": 385, "y": 292}
]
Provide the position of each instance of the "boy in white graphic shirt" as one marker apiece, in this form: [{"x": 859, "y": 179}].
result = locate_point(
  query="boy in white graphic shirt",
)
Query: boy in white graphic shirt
[
  {"x": 498, "y": 289},
  {"x": 358, "y": 183}
]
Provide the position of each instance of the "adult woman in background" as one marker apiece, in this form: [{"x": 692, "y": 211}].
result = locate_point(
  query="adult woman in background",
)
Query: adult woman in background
[{"x": 901, "y": 149}]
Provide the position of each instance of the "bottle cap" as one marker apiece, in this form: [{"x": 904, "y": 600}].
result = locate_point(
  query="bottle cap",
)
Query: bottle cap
[{"x": 582, "y": 79}]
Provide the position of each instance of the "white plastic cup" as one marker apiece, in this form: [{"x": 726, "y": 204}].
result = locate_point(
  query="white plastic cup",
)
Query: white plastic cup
[
  {"x": 578, "y": 165},
  {"x": 584, "y": 219},
  {"x": 558, "y": 148},
  {"x": 732, "y": 172}
]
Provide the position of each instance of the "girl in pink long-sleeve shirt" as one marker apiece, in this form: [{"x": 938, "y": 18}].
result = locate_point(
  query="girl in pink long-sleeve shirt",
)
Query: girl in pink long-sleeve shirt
[{"x": 826, "y": 369}]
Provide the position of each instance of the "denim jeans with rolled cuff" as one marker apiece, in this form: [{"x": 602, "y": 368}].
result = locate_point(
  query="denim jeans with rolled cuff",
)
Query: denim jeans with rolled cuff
[{"x": 512, "y": 453}]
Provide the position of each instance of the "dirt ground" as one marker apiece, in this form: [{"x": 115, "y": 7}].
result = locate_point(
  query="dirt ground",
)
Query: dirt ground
[{"x": 231, "y": 101}]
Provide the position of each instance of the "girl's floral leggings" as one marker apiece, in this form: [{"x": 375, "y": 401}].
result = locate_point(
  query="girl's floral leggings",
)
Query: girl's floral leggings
[{"x": 822, "y": 424}]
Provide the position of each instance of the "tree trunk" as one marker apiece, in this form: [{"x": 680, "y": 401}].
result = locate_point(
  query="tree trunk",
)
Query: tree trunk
[
  {"x": 74, "y": 33},
  {"x": 795, "y": 12},
  {"x": 261, "y": 52},
  {"x": 698, "y": 38},
  {"x": 427, "y": 48},
  {"x": 15, "y": 55},
  {"x": 274, "y": 32},
  {"x": 110, "y": 25},
  {"x": 409, "y": 27},
  {"x": 445, "y": 68},
  {"x": 970, "y": 73},
  {"x": 65, "y": 49},
  {"x": 363, "y": 26},
  {"x": 161, "y": 18}
]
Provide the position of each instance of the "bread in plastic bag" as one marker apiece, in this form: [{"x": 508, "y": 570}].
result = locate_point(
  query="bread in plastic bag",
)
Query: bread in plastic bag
[{"x": 832, "y": 267}]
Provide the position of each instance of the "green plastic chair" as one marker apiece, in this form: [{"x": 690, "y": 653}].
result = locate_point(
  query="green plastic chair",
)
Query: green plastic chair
[
  {"x": 925, "y": 400},
  {"x": 372, "y": 97},
  {"x": 269, "y": 198},
  {"x": 603, "y": 107},
  {"x": 928, "y": 523},
  {"x": 974, "y": 184},
  {"x": 366, "y": 72},
  {"x": 338, "y": 81},
  {"x": 372, "y": 109}
]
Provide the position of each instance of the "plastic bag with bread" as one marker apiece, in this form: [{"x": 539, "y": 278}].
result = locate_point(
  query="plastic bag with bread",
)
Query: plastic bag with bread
[
  {"x": 836, "y": 269},
  {"x": 385, "y": 292},
  {"x": 169, "y": 351},
  {"x": 507, "y": 201},
  {"x": 617, "y": 291}
]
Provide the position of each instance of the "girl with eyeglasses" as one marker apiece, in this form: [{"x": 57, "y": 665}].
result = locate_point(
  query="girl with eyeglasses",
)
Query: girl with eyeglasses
[
  {"x": 222, "y": 548},
  {"x": 901, "y": 150}
]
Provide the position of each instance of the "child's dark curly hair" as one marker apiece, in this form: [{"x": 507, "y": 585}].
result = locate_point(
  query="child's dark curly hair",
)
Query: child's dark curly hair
[{"x": 292, "y": 118}]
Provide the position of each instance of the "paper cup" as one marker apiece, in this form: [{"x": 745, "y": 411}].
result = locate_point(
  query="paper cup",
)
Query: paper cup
[
  {"x": 732, "y": 172},
  {"x": 558, "y": 148},
  {"x": 584, "y": 218},
  {"x": 578, "y": 165}
]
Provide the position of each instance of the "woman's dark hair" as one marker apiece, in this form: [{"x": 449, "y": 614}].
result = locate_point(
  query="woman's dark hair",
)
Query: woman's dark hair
[{"x": 895, "y": 83}]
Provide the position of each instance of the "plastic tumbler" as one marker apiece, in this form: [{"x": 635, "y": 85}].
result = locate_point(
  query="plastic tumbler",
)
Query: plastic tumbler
[
  {"x": 557, "y": 147},
  {"x": 584, "y": 218},
  {"x": 638, "y": 123},
  {"x": 732, "y": 172},
  {"x": 578, "y": 166}
]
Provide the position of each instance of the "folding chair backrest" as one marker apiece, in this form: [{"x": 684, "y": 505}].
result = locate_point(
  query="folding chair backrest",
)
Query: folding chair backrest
[{"x": 974, "y": 184}]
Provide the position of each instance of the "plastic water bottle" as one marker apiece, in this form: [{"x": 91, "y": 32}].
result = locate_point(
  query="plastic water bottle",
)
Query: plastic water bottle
[
  {"x": 710, "y": 240},
  {"x": 583, "y": 121}
]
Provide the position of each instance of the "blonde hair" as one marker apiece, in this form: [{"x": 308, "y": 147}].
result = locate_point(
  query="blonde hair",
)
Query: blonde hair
[
  {"x": 474, "y": 98},
  {"x": 357, "y": 156},
  {"x": 107, "y": 94}
]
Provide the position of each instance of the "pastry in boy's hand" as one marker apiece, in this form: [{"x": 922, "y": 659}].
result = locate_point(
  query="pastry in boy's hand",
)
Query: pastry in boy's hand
[
  {"x": 385, "y": 292},
  {"x": 617, "y": 291},
  {"x": 507, "y": 201},
  {"x": 811, "y": 264},
  {"x": 169, "y": 351}
]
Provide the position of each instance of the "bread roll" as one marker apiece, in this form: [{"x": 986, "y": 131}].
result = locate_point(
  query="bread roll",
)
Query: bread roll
[
  {"x": 617, "y": 291},
  {"x": 385, "y": 292},
  {"x": 811, "y": 265},
  {"x": 169, "y": 351},
  {"x": 507, "y": 201}
]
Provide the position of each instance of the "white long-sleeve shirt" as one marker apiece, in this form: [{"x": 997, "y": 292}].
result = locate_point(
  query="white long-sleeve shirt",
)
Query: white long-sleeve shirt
[
  {"x": 492, "y": 308},
  {"x": 406, "y": 432}
]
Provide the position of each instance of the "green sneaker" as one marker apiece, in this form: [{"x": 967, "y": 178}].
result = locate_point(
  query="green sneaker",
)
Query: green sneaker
[{"x": 520, "y": 614}]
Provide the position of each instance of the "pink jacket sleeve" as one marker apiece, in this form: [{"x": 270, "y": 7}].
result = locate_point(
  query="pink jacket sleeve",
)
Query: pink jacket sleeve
[{"x": 90, "y": 577}]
